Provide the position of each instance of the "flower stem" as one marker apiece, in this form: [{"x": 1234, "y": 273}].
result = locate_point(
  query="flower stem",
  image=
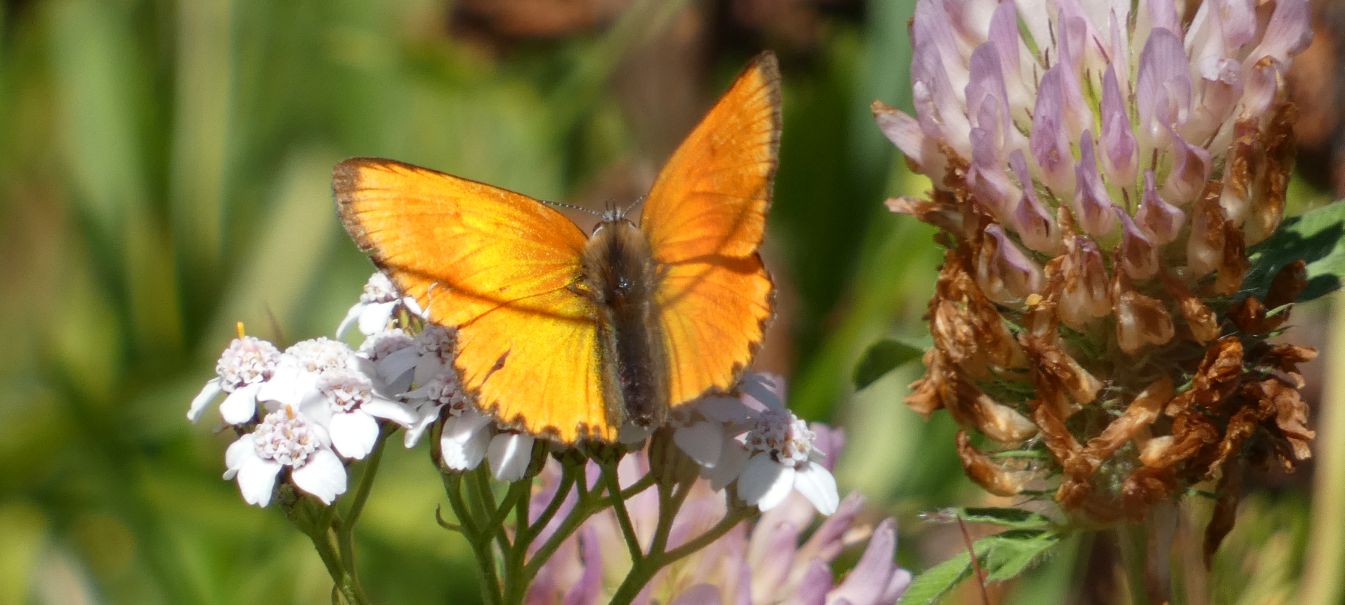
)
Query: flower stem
[
  {"x": 366, "y": 480},
  {"x": 477, "y": 537},
  {"x": 567, "y": 479},
  {"x": 1134, "y": 543},
  {"x": 667, "y": 512},
  {"x": 643, "y": 571},
  {"x": 1324, "y": 574},
  {"x": 585, "y": 507},
  {"x": 518, "y": 574},
  {"x": 643, "y": 483},
  {"x": 343, "y": 526},
  {"x": 609, "y": 475},
  {"x": 325, "y": 541},
  {"x": 486, "y": 496}
]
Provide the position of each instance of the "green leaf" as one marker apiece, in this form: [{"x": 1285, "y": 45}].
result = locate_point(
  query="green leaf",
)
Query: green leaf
[
  {"x": 1014, "y": 551},
  {"x": 883, "y": 357},
  {"x": 1012, "y": 518},
  {"x": 1315, "y": 237},
  {"x": 930, "y": 586},
  {"x": 1002, "y": 556}
]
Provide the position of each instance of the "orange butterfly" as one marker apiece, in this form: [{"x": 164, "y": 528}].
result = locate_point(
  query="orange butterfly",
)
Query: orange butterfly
[{"x": 570, "y": 336}]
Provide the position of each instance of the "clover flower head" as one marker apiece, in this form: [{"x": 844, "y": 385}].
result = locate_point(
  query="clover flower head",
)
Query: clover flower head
[{"x": 1099, "y": 171}]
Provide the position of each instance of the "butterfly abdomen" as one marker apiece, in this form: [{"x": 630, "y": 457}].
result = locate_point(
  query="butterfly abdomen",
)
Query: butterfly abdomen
[{"x": 619, "y": 275}]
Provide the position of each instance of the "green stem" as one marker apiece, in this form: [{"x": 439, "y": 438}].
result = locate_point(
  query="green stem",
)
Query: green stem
[
  {"x": 667, "y": 513},
  {"x": 516, "y": 578},
  {"x": 366, "y": 480},
  {"x": 1134, "y": 543},
  {"x": 1324, "y": 574},
  {"x": 518, "y": 574},
  {"x": 343, "y": 583},
  {"x": 344, "y": 526},
  {"x": 640, "y": 485},
  {"x": 609, "y": 475},
  {"x": 586, "y": 507},
  {"x": 730, "y": 520},
  {"x": 486, "y": 495},
  {"x": 478, "y": 539},
  {"x": 567, "y": 479},
  {"x": 644, "y": 570}
]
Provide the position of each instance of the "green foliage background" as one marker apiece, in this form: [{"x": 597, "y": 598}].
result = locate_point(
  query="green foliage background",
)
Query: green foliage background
[{"x": 164, "y": 172}]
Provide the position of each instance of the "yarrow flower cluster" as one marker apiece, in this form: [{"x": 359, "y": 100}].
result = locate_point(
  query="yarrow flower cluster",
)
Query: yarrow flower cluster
[
  {"x": 302, "y": 416},
  {"x": 409, "y": 382},
  {"x": 1100, "y": 170}
]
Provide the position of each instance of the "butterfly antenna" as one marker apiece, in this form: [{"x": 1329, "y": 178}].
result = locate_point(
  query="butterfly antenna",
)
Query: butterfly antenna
[
  {"x": 585, "y": 210},
  {"x": 636, "y": 204}
]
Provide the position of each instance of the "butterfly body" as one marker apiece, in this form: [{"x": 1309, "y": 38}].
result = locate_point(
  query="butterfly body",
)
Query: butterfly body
[
  {"x": 568, "y": 335},
  {"x": 620, "y": 277}
]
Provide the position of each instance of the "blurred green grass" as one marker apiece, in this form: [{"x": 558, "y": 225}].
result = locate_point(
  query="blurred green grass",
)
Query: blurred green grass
[{"x": 164, "y": 172}]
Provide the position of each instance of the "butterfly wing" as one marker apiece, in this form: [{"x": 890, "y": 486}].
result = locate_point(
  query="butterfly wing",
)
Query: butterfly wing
[
  {"x": 500, "y": 268},
  {"x": 705, "y": 217}
]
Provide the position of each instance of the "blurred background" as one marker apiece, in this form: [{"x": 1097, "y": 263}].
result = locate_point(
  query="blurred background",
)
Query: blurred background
[{"x": 165, "y": 171}]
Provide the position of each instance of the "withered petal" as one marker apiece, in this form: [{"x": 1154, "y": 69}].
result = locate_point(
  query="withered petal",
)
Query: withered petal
[
  {"x": 986, "y": 473},
  {"x": 931, "y": 391},
  {"x": 1225, "y": 510},
  {"x": 942, "y": 215},
  {"x": 1054, "y": 371},
  {"x": 1141, "y": 320},
  {"x": 1234, "y": 265},
  {"x": 1219, "y": 374},
  {"x": 1146, "y": 486},
  {"x": 1289, "y": 282},
  {"x": 1200, "y": 319},
  {"x": 1141, "y": 412}
]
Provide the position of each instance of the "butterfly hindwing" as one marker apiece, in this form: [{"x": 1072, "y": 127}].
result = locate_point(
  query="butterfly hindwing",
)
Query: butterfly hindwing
[
  {"x": 705, "y": 218},
  {"x": 499, "y": 267}
]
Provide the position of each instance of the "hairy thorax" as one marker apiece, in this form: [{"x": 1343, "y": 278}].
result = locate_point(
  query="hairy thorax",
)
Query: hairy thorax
[{"x": 620, "y": 276}]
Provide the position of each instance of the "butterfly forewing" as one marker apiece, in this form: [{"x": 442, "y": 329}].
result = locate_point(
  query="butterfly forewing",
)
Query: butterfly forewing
[
  {"x": 705, "y": 218},
  {"x": 500, "y": 268}
]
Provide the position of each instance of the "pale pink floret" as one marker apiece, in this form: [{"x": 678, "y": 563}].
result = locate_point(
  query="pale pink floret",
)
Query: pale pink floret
[{"x": 1098, "y": 108}]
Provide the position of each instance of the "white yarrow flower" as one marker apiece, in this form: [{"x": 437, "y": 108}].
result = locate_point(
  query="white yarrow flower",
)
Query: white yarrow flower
[
  {"x": 782, "y": 458},
  {"x": 435, "y": 347},
  {"x": 468, "y": 435},
  {"x": 428, "y": 401},
  {"x": 346, "y": 402},
  {"x": 394, "y": 355},
  {"x": 465, "y": 438},
  {"x": 297, "y": 371},
  {"x": 285, "y": 438},
  {"x": 377, "y": 307},
  {"x": 241, "y": 371},
  {"x": 509, "y": 454},
  {"x": 704, "y": 430}
]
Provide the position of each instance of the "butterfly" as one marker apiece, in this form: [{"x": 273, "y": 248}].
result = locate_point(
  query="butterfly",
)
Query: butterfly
[{"x": 567, "y": 335}]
